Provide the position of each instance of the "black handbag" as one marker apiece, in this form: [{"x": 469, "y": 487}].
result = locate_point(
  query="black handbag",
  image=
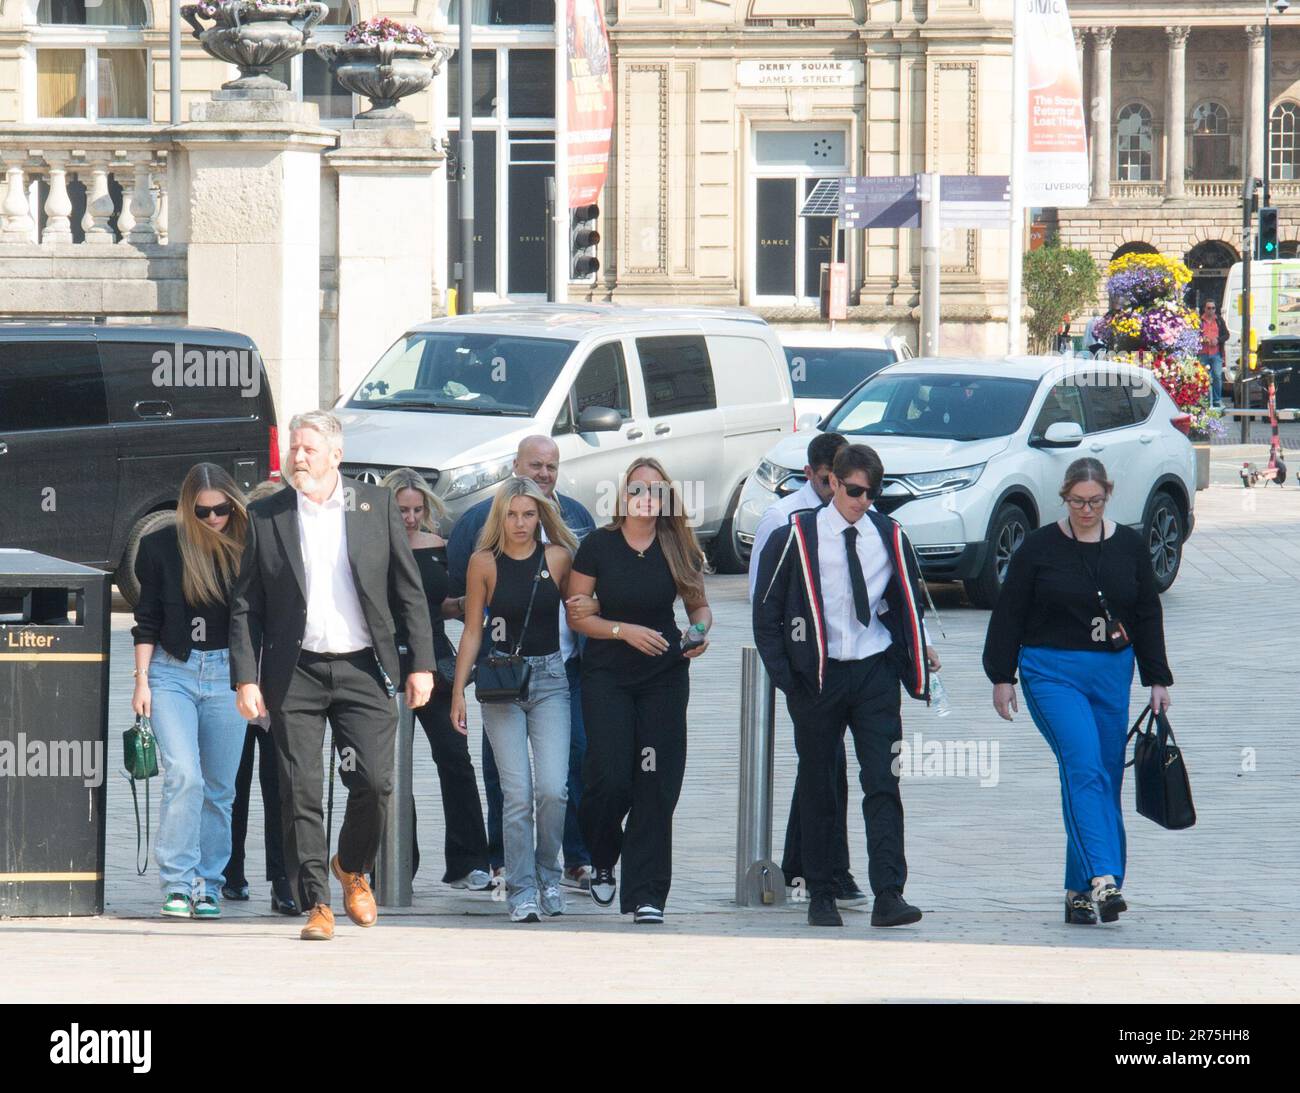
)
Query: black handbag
[
  {"x": 503, "y": 677},
  {"x": 1164, "y": 792}
]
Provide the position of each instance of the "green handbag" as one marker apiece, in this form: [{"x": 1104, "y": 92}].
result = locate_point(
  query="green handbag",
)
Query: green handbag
[{"x": 140, "y": 757}]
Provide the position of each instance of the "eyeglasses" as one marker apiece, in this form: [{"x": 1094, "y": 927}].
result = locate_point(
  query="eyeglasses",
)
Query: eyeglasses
[
  {"x": 1079, "y": 503},
  {"x": 223, "y": 509},
  {"x": 857, "y": 491}
]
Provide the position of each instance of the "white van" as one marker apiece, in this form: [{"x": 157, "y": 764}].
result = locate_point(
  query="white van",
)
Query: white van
[
  {"x": 703, "y": 390},
  {"x": 1274, "y": 307}
]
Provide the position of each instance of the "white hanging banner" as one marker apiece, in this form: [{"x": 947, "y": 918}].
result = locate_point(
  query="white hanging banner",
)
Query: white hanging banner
[{"x": 1054, "y": 157}]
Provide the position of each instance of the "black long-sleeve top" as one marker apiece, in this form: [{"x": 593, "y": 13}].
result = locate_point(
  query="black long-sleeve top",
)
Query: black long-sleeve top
[
  {"x": 162, "y": 614},
  {"x": 1049, "y": 598}
]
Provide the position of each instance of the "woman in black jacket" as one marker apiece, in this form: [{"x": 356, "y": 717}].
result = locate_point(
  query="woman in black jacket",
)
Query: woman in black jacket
[
  {"x": 1078, "y": 608},
  {"x": 182, "y": 683}
]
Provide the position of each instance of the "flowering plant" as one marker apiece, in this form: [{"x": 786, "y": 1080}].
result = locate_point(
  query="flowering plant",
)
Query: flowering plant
[
  {"x": 1185, "y": 378},
  {"x": 1207, "y": 423},
  {"x": 371, "y": 32},
  {"x": 1137, "y": 279},
  {"x": 209, "y": 8}
]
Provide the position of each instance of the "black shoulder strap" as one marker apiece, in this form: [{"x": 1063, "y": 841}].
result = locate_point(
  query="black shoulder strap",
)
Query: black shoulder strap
[{"x": 532, "y": 595}]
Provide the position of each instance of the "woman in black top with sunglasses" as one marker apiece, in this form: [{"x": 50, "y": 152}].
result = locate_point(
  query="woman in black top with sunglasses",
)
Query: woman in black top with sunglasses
[{"x": 1078, "y": 608}]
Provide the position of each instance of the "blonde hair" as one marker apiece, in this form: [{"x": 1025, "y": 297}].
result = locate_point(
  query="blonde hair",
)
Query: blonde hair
[
  {"x": 403, "y": 478},
  {"x": 209, "y": 559},
  {"x": 676, "y": 537},
  {"x": 493, "y": 535},
  {"x": 324, "y": 423},
  {"x": 268, "y": 487}
]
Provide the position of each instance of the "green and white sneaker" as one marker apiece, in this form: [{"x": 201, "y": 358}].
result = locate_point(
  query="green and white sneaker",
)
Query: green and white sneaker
[
  {"x": 206, "y": 907},
  {"x": 176, "y": 905}
]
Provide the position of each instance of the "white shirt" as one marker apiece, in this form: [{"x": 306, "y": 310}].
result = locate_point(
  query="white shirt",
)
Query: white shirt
[
  {"x": 846, "y": 637},
  {"x": 777, "y": 515},
  {"x": 335, "y": 623},
  {"x": 568, "y": 643}
]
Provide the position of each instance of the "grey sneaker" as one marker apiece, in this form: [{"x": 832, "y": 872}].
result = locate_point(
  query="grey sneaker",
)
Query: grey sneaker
[
  {"x": 552, "y": 901},
  {"x": 476, "y": 880},
  {"x": 525, "y": 912},
  {"x": 577, "y": 876}
]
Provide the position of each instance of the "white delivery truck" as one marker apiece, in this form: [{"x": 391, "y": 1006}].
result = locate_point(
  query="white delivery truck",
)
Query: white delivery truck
[{"x": 1275, "y": 307}]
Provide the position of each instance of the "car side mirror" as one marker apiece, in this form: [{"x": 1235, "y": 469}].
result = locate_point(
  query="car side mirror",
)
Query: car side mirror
[
  {"x": 806, "y": 421},
  {"x": 599, "y": 419},
  {"x": 1060, "y": 434}
]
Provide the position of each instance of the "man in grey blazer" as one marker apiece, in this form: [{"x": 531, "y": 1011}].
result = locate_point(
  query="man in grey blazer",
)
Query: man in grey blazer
[{"x": 311, "y": 607}]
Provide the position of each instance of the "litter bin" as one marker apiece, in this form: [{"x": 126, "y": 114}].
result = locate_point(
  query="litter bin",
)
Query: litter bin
[
  {"x": 1281, "y": 353},
  {"x": 54, "y": 761}
]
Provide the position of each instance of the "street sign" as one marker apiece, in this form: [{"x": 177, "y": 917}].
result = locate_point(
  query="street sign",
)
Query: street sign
[
  {"x": 891, "y": 201},
  {"x": 974, "y": 201}
]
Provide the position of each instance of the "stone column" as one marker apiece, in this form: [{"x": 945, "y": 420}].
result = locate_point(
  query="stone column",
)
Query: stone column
[
  {"x": 15, "y": 216},
  {"x": 1102, "y": 38},
  {"x": 1176, "y": 112},
  {"x": 144, "y": 208},
  {"x": 1256, "y": 99},
  {"x": 385, "y": 240},
  {"x": 99, "y": 204},
  {"x": 250, "y": 186},
  {"x": 58, "y": 205}
]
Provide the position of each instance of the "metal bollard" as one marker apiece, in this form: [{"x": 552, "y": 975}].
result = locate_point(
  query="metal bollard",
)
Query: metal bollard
[
  {"x": 394, "y": 865},
  {"x": 759, "y": 881}
]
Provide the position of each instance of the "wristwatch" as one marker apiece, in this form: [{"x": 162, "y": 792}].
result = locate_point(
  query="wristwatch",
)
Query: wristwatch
[{"x": 618, "y": 629}]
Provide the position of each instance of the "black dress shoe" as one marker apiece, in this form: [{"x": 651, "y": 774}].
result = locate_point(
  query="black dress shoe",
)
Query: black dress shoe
[
  {"x": 1079, "y": 910},
  {"x": 846, "y": 891},
  {"x": 1110, "y": 902},
  {"x": 236, "y": 892},
  {"x": 822, "y": 911},
  {"x": 892, "y": 910},
  {"x": 282, "y": 901}
]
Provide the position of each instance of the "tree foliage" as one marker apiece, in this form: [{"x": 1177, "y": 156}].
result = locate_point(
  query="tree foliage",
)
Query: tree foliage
[{"x": 1059, "y": 281}]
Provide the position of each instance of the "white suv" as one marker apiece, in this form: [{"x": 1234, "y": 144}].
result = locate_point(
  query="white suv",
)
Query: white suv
[{"x": 975, "y": 452}]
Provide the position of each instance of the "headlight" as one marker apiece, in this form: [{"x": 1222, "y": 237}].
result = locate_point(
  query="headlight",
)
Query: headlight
[
  {"x": 770, "y": 476},
  {"x": 461, "y": 481},
  {"x": 942, "y": 481}
]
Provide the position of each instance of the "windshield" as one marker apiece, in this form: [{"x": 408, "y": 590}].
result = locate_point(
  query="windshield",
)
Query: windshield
[
  {"x": 946, "y": 406},
  {"x": 819, "y": 371},
  {"x": 461, "y": 372}
]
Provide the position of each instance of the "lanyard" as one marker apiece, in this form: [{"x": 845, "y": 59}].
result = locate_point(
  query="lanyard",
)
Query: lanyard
[{"x": 1094, "y": 576}]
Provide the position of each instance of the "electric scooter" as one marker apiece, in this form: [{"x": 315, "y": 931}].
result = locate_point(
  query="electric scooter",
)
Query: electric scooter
[{"x": 1275, "y": 471}]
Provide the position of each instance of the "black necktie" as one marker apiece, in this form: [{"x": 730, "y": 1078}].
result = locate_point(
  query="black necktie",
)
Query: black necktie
[{"x": 861, "y": 604}]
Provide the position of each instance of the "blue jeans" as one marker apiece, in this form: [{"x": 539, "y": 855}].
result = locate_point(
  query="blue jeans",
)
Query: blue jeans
[
  {"x": 539, "y": 787},
  {"x": 1079, "y": 701},
  {"x": 200, "y": 741},
  {"x": 1214, "y": 362},
  {"x": 576, "y": 853}
]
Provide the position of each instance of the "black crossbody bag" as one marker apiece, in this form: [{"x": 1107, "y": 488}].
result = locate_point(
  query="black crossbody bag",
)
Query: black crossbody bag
[
  {"x": 1117, "y": 638},
  {"x": 503, "y": 677}
]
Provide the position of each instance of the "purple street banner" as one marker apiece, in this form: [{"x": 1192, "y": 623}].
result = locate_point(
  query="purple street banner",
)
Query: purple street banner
[{"x": 974, "y": 201}]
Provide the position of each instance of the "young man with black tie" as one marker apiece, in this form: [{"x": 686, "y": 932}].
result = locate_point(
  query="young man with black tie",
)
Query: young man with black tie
[
  {"x": 837, "y": 621},
  {"x": 312, "y": 605}
]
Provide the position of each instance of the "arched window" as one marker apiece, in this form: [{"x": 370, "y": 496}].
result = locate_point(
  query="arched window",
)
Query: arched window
[
  {"x": 101, "y": 75},
  {"x": 1284, "y": 150},
  {"x": 1133, "y": 144},
  {"x": 1210, "y": 141}
]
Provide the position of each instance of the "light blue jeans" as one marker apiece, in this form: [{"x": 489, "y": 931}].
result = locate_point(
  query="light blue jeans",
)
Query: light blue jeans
[
  {"x": 200, "y": 741},
  {"x": 532, "y": 855}
]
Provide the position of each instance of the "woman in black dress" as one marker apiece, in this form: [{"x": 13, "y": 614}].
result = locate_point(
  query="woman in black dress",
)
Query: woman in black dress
[
  {"x": 636, "y": 684},
  {"x": 466, "y": 840}
]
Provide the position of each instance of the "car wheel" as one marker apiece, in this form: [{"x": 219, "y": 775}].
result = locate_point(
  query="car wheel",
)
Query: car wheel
[
  {"x": 125, "y": 575},
  {"x": 1006, "y": 533},
  {"x": 729, "y": 554},
  {"x": 1164, "y": 538}
]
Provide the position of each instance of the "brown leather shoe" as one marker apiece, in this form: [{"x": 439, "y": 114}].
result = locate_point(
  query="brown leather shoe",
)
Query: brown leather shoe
[
  {"x": 358, "y": 900},
  {"x": 320, "y": 924}
]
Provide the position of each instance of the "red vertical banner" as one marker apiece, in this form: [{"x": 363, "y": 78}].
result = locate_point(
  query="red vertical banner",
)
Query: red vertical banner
[{"x": 590, "y": 100}]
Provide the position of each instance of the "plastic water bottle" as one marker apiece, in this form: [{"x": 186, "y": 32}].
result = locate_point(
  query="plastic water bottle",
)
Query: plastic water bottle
[{"x": 939, "y": 696}]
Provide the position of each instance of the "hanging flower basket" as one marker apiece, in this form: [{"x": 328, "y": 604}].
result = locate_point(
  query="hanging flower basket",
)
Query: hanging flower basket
[
  {"x": 254, "y": 34},
  {"x": 384, "y": 61}
]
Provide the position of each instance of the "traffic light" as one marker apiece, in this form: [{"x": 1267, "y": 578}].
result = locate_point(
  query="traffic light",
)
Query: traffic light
[
  {"x": 1268, "y": 232},
  {"x": 583, "y": 238}
]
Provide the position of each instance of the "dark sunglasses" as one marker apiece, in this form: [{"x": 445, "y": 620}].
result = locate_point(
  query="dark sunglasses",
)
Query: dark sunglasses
[
  {"x": 857, "y": 491},
  {"x": 223, "y": 509}
]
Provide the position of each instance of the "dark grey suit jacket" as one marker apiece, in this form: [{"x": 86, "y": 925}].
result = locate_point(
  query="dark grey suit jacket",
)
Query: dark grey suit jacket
[{"x": 268, "y": 608}]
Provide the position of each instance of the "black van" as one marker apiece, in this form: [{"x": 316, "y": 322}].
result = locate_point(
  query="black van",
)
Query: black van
[{"x": 99, "y": 425}]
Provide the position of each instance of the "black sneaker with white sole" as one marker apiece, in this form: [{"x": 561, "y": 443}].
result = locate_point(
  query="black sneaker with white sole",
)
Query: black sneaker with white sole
[
  {"x": 645, "y": 915},
  {"x": 603, "y": 887}
]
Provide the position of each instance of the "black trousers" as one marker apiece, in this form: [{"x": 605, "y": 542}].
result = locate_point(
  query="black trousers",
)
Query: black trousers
[
  {"x": 636, "y": 759},
  {"x": 792, "y": 854},
  {"x": 865, "y": 695},
  {"x": 268, "y": 776},
  {"x": 349, "y": 692},
  {"x": 465, "y": 844}
]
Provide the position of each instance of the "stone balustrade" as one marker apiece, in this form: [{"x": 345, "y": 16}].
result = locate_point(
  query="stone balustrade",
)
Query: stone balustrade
[{"x": 132, "y": 156}]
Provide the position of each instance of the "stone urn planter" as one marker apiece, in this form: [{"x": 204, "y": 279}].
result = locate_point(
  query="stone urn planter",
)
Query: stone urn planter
[
  {"x": 254, "y": 34},
  {"x": 385, "y": 62}
]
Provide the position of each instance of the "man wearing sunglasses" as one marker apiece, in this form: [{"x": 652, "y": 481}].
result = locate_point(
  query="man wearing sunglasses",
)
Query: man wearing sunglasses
[
  {"x": 813, "y": 494},
  {"x": 837, "y": 621}
]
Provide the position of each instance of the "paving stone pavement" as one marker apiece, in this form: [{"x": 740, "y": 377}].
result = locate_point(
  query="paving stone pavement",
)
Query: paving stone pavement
[{"x": 1212, "y": 911}]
